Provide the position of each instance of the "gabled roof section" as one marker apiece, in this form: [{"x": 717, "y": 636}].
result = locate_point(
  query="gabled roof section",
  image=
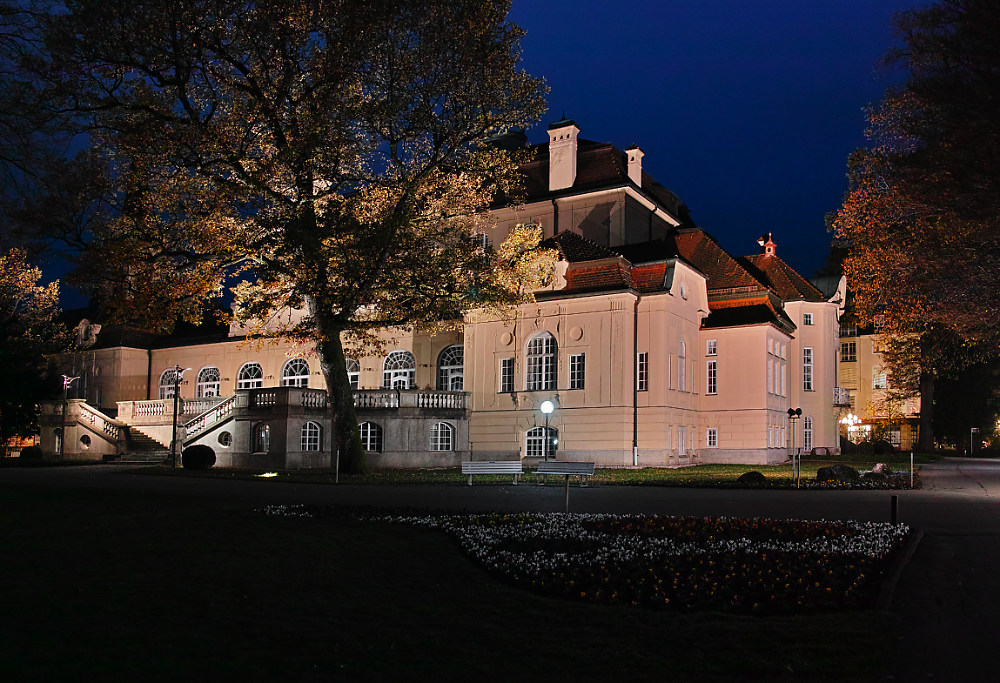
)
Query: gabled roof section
[
  {"x": 648, "y": 252},
  {"x": 722, "y": 271},
  {"x": 773, "y": 272},
  {"x": 754, "y": 314}
]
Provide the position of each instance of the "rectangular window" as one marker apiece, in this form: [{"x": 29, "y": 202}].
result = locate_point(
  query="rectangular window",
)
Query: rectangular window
[
  {"x": 711, "y": 377},
  {"x": 642, "y": 372},
  {"x": 682, "y": 441},
  {"x": 712, "y": 437},
  {"x": 670, "y": 371},
  {"x": 807, "y": 369},
  {"x": 712, "y": 347},
  {"x": 849, "y": 330},
  {"x": 506, "y": 375},
  {"x": 849, "y": 352},
  {"x": 782, "y": 379},
  {"x": 880, "y": 381},
  {"x": 577, "y": 370},
  {"x": 807, "y": 318},
  {"x": 770, "y": 375}
]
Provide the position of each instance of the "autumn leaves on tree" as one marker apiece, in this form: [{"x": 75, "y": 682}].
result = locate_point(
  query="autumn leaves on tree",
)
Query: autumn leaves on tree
[
  {"x": 922, "y": 211},
  {"x": 331, "y": 155}
]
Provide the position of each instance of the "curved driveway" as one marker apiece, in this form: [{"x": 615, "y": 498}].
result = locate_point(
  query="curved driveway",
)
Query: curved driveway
[{"x": 947, "y": 597}]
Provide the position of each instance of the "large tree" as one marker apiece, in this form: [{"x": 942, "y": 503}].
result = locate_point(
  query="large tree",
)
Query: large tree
[
  {"x": 332, "y": 155},
  {"x": 28, "y": 329},
  {"x": 922, "y": 213}
]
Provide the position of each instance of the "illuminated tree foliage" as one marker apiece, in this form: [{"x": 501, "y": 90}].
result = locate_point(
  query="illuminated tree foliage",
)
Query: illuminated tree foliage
[
  {"x": 331, "y": 154},
  {"x": 28, "y": 329},
  {"x": 922, "y": 210}
]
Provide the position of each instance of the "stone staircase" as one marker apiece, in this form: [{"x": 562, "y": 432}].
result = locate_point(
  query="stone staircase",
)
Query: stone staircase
[{"x": 140, "y": 448}]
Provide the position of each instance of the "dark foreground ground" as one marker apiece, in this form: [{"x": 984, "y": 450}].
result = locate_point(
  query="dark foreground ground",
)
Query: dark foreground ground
[{"x": 179, "y": 580}]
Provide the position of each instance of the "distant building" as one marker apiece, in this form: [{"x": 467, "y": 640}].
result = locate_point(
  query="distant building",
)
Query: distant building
[{"x": 656, "y": 346}]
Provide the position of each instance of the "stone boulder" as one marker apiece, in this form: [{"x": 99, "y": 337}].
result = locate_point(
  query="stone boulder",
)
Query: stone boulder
[
  {"x": 752, "y": 479},
  {"x": 838, "y": 472},
  {"x": 882, "y": 468}
]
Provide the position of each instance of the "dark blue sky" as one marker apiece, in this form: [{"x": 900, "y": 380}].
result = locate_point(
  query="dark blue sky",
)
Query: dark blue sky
[{"x": 746, "y": 109}]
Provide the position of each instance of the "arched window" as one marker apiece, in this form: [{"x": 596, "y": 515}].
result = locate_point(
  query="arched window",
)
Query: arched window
[
  {"x": 371, "y": 436},
  {"x": 442, "y": 437},
  {"x": 295, "y": 373},
  {"x": 535, "y": 444},
  {"x": 807, "y": 434},
  {"x": 208, "y": 382},
  {"x": 167, "y": 383},
  {"x": 353, "y": 373},
  {"x": 261, "y": 438},
  {"x": 541, "y": 366},
  {"x": 311, "y": 437},
  {"x": 399, "y": 370},
  {"x": 450, "y": 368},
  {"x": 250, "y": 376}
]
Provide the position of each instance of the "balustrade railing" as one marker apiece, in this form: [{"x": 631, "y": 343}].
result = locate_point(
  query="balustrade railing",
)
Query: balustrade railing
[
  {"x": 215, "y": 414},
  {"x": 410, "y": 398},
  {"x": 99, "y": 421}
]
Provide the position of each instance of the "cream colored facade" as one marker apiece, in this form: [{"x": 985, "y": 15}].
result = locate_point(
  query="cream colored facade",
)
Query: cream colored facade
[{"x": 655, "y": 346}]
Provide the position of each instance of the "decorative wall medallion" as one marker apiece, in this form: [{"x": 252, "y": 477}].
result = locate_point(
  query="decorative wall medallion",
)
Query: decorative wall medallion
[
  {"x": 576, "y": 334},
  {"x": 506, "y": 338}
]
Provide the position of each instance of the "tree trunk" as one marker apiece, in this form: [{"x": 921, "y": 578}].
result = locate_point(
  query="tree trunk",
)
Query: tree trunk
[
  {"x": 926, "y": 441},
  {"x": 343, "y": 419}
]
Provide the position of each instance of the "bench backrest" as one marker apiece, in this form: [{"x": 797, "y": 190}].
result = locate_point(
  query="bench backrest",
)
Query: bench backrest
[
  {"x": 556, "y": 467},
  {"x": 492, "y": 467}
]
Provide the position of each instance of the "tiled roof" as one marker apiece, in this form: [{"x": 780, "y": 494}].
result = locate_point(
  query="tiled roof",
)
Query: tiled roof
[
  {"x": 649, "y": 278},
  {"x": 781, "y": 278},
  {"x": 647, "y": 252},
  {"x": 701, "y": 250},
  {"x": 607, "y": 276},
  {"x": 574, "y": 248},
  {"x": 737, "y": 316}
]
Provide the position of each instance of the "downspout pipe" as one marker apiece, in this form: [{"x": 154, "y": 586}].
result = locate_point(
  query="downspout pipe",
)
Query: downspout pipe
[{"x": 635, "y": 381}]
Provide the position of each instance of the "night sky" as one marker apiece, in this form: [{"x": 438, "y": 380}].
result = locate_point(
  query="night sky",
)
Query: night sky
[{"x": 746, "y": 109}]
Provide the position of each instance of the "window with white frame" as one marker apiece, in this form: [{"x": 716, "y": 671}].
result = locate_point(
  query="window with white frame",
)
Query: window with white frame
[
  {"x": 682, "y": 366},
  {"x": 712, "y": 438},
  {"x": 450, "y": 368},
  {"x": 807, "y": 434},
  {"x": 506, "y": 375},
  {"x": 353, "y": 372},
  {"x": 807, "y": 369},
  {"x": 295, "y": 373},
  {"x": 208, "y": 382},
  {"x": 770, "y": 375},
  {"x": 250, "y": 376},
  {"x": 541, "y": 362},
  {"x": 311, "y": 436},
  {"x": 537, "y": 441},
  {"x": 642, "y": 371},
  {"x": 849, "y": 352},
  {"x": 442, "y": 437},
  {"x": 807, "y": 318},
  {"x": 782, "y": 392},
  {"x": 711, "y": 377},
  {"x": 167, "y": 383},
  {"x": 577, "y": 370},
  {"x": 712, "y": 347},
  {"x": 880, "y": 381},
  {"x": 399, "y": 370},
  {"x": 682, "y": 441},
  {"x": 371, "y": 437}
]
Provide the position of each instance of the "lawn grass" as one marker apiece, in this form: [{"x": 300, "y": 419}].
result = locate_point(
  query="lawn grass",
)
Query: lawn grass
[
  {"x": 694, "y": 476},
  {"x": 103, "y": 585}
]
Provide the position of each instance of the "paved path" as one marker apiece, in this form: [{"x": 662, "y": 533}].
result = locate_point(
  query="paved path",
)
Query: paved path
[{"x": 948, "y": 596}]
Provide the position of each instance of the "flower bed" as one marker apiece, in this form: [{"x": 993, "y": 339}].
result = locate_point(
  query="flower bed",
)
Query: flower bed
[{"x": 753, "y": 566}]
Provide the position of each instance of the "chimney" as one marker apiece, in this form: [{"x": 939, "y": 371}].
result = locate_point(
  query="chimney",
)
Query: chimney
[
  {"x": 635, "y": 164},
  {"x": 562, "y": 154},
  {"x": 767, "y": 244}
]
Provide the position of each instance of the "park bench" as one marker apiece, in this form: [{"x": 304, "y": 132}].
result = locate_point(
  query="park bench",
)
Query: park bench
[
  {"x": 492, "y": 467},
  {"x": 570, "y": 469}
]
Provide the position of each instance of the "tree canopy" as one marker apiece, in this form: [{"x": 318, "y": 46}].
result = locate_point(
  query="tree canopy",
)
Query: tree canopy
[
  {"x": 330, "y": 155},
  {"x": 922, "y": 214}
]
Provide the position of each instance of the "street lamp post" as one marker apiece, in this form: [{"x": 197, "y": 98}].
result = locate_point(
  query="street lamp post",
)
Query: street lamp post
[
  {"x": 67, "y": 381},
  {"x": 178, "y": 373},
  {"x": 547, "y": 407},
  {"x": 793, "y": 415}
]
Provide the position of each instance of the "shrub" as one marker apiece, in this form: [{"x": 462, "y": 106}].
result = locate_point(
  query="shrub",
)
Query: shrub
[
  {"x": 838, "y": 472},
  {"x": 31, "y": 453},
  {"x": 883, "y": 447},
  {"x": 198, "y": 457}
]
